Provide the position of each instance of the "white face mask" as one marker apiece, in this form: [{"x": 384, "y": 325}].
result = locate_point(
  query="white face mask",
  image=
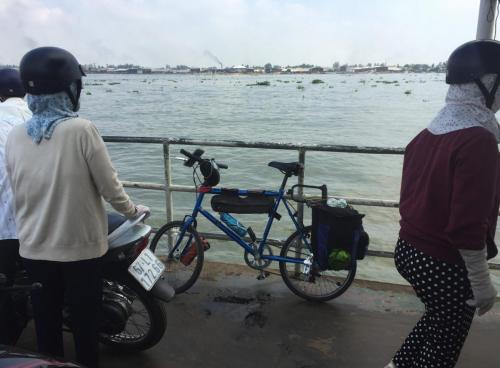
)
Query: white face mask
[{"x": 465, "y": 108}]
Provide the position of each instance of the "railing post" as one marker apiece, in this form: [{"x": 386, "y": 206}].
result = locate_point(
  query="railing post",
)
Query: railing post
[
  {"x": 300, "y": 206},
  {"x": 302, "y": 161},
  {"x": 168, "y": 182}
]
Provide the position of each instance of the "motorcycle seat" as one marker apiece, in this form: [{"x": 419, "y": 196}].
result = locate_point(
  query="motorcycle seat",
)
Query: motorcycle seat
[{"x": 114, "y": 221}]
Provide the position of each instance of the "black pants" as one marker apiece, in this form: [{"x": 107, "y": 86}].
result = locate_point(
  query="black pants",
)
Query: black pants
[
  {"x": 12, "y": 320},
  {"x": 437, "y": 339},
  {"x": 80, "y": 285}
]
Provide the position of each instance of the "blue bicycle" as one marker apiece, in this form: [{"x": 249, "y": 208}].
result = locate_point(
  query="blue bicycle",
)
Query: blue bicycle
[{"x": 179, "y": 245}]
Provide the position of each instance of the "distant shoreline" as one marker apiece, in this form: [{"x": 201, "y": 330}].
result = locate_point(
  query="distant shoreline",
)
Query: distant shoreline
[{"x": 264, "y": 74}]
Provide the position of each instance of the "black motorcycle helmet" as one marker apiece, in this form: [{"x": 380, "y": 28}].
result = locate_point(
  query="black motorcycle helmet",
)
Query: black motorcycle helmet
[
  {"x": 11, "y": 84},
  {"x": 471, "y": 61},
  {"x": 49, "y": 70}
]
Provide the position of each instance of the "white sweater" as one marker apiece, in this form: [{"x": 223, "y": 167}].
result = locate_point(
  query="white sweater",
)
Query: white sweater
[
  {"x": 58, "y": 189},
  {"x": 13, "y": 111}
]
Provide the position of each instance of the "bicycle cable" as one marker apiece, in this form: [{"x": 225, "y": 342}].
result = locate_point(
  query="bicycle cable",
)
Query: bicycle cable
[{"x": 196, "y": 184}]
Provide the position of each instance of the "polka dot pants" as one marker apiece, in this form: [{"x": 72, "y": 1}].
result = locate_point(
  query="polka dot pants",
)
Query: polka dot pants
[{"x": 438, "y": 337}]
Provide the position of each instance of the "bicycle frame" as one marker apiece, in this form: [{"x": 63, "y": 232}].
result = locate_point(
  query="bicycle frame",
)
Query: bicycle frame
[{"x": 198, "y": 209}]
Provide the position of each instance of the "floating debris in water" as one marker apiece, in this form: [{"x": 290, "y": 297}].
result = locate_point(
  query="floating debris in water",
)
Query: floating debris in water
[
  {"x": 362, "y": 81},
  {"x": 301, "y": 87},
  {"x": 264, "y": 83},
  {"x": 408, "y": 92},
  {"x": 88, "y": 93},
  {"x": 113, "y": 83},
  {"x": 286, "y": 81},
  {"x": 135, "y": 91},
  {"x": 317, "y": 81},
  {"x": 93, "y": 84},
  {"x": 109, "y": 90},
  {"x": 299, "y": 81},
  {"x": 387, "y": 82}
]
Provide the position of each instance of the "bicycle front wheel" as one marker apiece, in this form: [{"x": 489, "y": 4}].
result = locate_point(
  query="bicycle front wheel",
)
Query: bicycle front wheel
[
  {"x": 313, "y": 284},
  {"x": 182, "y": 254}
]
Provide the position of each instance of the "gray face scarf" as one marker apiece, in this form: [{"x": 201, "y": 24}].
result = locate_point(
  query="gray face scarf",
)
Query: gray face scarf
[
  {"x": 466, "y": 108},
  {"x": 48, "y": 112}
]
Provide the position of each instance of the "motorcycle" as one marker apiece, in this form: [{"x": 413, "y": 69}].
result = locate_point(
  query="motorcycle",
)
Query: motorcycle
[{"x": 134, "y": 289}]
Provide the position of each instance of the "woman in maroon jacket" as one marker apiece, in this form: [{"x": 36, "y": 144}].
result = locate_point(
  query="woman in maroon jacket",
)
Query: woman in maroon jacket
[{"x": 449, "y": 205}]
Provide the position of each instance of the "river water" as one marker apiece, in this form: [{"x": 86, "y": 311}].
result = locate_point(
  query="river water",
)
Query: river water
[{"x": 384, "y": 110}]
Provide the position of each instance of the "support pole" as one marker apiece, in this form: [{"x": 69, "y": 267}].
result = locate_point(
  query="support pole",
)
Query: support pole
[
  {"x": 302, "y": 161},
  {"x": 486, "y": 20},
  {"x": 168, "y": 182},
  {"x": 300, "y": 206}
]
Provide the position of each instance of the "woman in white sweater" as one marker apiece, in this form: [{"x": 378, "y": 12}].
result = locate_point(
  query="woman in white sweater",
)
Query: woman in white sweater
[
  {"x": 60, "y": 172},
  {"x": 13, "y": 111}
]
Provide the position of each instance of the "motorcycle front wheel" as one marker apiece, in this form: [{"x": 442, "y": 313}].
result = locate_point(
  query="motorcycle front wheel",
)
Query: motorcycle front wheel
[{"x": 141, "y": 319}]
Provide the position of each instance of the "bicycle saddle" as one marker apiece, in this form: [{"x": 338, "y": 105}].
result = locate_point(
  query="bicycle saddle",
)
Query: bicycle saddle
[{"x": 290, "y": 168}]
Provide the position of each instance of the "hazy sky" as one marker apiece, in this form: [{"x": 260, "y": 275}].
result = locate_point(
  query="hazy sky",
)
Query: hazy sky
[{"x": 159, "y": 32}]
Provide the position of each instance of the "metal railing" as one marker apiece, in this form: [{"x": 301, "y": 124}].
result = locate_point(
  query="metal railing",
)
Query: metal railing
[{"x": 168, "y": 187}]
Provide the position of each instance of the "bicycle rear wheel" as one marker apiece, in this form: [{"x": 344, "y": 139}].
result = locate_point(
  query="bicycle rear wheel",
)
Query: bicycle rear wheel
[
  {"x": 315, "y": 285},
  {"x": 183, "y": 263}
]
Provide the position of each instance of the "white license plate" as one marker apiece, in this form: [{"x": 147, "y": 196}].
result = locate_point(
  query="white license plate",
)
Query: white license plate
[{"x": 146, "y": 269}]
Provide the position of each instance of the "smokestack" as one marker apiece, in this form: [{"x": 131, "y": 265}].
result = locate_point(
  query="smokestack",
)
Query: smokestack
[{"x": 213, "y": 57}]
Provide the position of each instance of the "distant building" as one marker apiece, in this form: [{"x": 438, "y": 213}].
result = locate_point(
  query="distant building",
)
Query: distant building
[
  {"x": 316, "y": 69},
  {"x": 368, "y": 69},
  {"x": 298, "y": 70},
  {"x": 395, "y": 69},
  {"x": 277, "y": 69},
  {"x": 239, "y": 69}
]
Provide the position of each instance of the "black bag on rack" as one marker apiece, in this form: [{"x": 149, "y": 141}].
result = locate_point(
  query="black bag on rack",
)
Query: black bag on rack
[
  {"x": 335, "y": 228},
  {"x": 231, "y": 202}
]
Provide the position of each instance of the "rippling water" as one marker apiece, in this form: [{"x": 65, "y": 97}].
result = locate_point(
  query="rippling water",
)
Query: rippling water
[{"x": 369, "y": 109}]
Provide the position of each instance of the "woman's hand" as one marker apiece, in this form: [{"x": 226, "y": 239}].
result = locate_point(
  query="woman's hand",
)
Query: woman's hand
[
  {"x": 140, "y": 210},
  {"x": 480, "y": 281}
]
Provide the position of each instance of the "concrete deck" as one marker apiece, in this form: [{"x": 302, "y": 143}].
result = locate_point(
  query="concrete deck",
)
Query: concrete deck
[{"x": 268, "y": 326}]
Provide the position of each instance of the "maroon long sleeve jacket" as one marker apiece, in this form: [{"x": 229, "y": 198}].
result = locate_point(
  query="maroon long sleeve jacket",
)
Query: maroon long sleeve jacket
[{"x": 450, "y": 192}]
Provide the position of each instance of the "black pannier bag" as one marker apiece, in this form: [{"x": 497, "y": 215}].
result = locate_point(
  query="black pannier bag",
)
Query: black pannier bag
[
  {"x": 231, "y": 202},
  {"x": 337, "y": 229}
]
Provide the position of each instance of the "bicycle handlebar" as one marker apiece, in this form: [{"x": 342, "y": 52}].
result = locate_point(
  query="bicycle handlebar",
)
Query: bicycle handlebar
[
  {"x": 196, "y": 157},
  {"x": 222, "y": 166},
  {"x": 192, "y": 158}
]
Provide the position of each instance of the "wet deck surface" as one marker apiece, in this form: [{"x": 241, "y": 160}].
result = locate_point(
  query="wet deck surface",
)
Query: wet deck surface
[{"x": 229, "y": 319}]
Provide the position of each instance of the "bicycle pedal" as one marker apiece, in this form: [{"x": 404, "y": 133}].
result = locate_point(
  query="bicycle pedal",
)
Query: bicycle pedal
[{"x": 263, "y": 275}]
